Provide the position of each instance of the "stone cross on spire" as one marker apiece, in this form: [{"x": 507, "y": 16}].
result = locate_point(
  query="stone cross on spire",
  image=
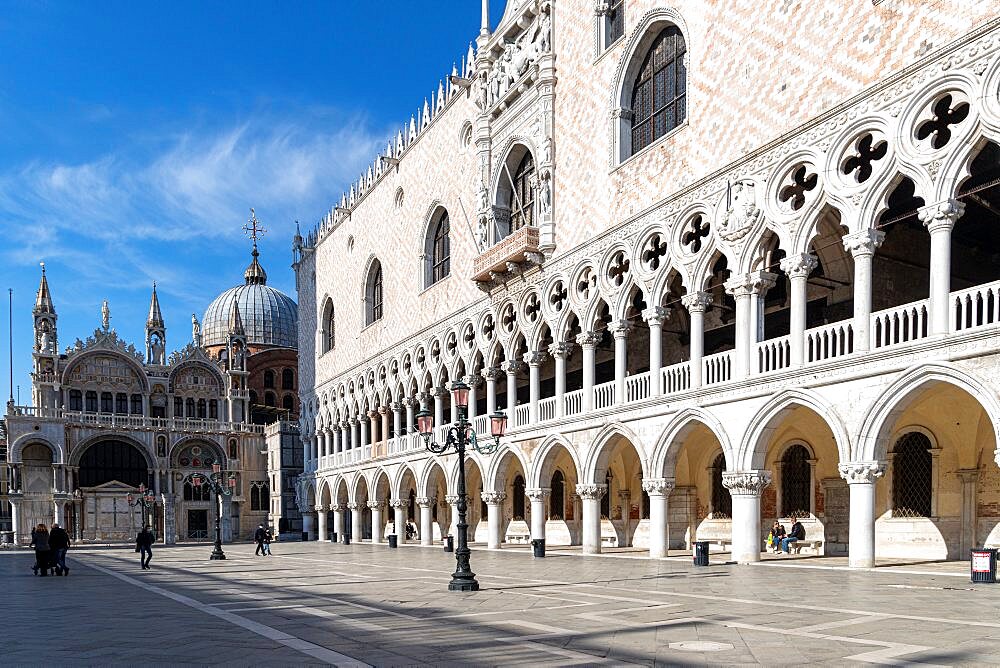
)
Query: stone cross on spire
[
  {"x": 253, "y": 228},
  {"x": 255, "y": 274}
]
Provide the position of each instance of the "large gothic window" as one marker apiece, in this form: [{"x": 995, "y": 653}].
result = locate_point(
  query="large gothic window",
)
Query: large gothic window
[
  {"x": 659, "y": 94},
  {"x": 269, "y": 379},
  {"x": 121, "y": 403},
  {"x": 197, "y": 492},
  {"x": 912, "y": 466},
  {"x": 287, "y": 379},
  {"x": 614, "y": 22},
  {"x": 722, "y": 502},
  {"x": 557, "y": 496},
  {"x": 373, "y": 293},
  {"x": 523, "y": 197},
  {"x": 107, "y": 402},
  {"x": 113, "y": 460},
  {"x": 440, "y": 248},
  {"x": 136, "y": 404},
  {"x": 796, "y": 479},
  {"x": 329, "y": 327},
  {"x": 91, "y": 402},
  {"x": 260, "y": 498},
  {"x": 518, "y": 489},
  {"x": 75, "y": 400}
]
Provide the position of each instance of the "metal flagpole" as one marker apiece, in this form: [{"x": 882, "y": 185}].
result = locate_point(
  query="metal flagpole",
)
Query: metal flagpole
[{"x": 10, "y": 334}]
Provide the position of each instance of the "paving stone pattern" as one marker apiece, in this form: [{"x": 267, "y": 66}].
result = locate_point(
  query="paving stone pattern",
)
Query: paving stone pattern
[{"x": 319, "y": 603}]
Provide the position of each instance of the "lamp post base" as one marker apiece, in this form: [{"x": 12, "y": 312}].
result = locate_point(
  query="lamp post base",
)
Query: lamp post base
[
  {"x": 463, "y": 584},
  {"x": 217, "y": 553}
]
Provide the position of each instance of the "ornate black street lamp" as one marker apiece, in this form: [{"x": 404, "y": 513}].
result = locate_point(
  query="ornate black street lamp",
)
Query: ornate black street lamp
[
  {"x": 460, "y": 436},
  {"x": 222, "y": 484},
  {"x": 146, "y": 501}
]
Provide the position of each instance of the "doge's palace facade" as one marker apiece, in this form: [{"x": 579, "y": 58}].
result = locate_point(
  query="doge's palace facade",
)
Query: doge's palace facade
[{"x": 720, "y": 263}]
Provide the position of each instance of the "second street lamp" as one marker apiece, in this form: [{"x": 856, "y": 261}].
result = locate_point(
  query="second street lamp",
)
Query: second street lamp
[
  {"x": 461, "y": 436},
  {"x": 221, "y": 484},
  {"x": 147, "y": 502}
]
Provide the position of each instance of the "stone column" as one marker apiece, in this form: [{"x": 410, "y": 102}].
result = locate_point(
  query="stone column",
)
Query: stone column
[
  {"x": 369, "y": 428},
  {"x": 745, "y": 487},
  {"x": 969, "y": 478},
  {"x": 411, "y": 405},
  {"x": 473, "y": 382},
  {"x": 862, "y": 246},
  {"x": 511, "y": 368},
  {"x": 307, "y": 523},
  {"x": 655, "y": 317},
  {"x": 697, "y": 303},
  {"x": 658, "y": 490},
  {"x": 452, "y": 501},
  {"x": 59, "y": 513},
  {"x": 355, "y": 433},
  {"x": 344, "y": 443},
  {"x": 748, "y": 290},
  {"x": 15, "y": 520},
  {"x": 426, "y": 520},
  {"x": 939, "y": 219},
  {"x": 494, "y": 509},
  {"x": 560, "y": 352},
  {"x": 591, "y": 496},
  {"x": 338, "y": 520},
  {"x": 620, "y": 330},
  {"x": 537, "y": 497},
  {"x": 798, "y": 267},
  {"x": 861, "y": 477},
  {"x": 439, "y": 394},
  {"x": 492, "y": 374},
  {"x": 534, "y": 361},
  {"x": 399, "y": 518},
  {"x": 322, "y": 533},
  {"x": 397, "y": 420},
  {"x": 356, "y": 531},
  {"x": 377, "y": 526},
  {"x": 588, "y": 344},
  {"x": 383, "y": 412}
]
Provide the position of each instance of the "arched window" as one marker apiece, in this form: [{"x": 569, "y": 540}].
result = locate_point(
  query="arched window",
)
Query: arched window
[
  {"x": 189, "y": 408},
  {"x": 722, "y": 502},
  {"x": 121, "y": 403},
  {"x": 136, "y": 404},
  {"x": 260, "y": 498},
  {"x": 796, "y": 480},
  {"x": 202, "y": 408},
  {"x": 911, "y": 476},
  {"x": 523, "y": 197},
  {"x": 411, "y": 505},
  {"x": 269, "y": 399},
  {"x": 253, "y": 397},
  {"x": 329, "y": 328},
  {"x": 197, "y": 492},
  {"x": 269, "y": 379},
  {"x": 557, "y": 496},
  {"x": 373, "y": 293},
  {"x": 213, "y": 409},
  {"x": 288, "y": 403},
  {"x": 659, "y": 93},
  {"x": 518, "y": 499},
  {"x": 91, "y": 402},
  {"x": 178, "y": 407},
  {"x": 113, "y": 460},
  {"x": 438, "y": 248},
  {"x": 75, "y": 400},
  {"x": 287, "y": 379},
  {"x": 107, "y": 402}
]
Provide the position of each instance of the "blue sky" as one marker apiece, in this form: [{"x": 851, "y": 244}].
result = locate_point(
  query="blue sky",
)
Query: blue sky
[{"x": 135, "y": 136}]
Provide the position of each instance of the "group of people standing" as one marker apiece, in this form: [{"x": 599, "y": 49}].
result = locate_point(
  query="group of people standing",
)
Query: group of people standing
[
  {"x": 778, "y": 540},
  {"x": 50, "y": 550}
]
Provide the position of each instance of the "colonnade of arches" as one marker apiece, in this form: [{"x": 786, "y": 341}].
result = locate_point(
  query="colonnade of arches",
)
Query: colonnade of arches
[{"x": 914, "y": 479}]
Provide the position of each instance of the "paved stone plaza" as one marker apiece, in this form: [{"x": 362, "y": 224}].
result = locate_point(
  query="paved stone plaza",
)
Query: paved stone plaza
[{"x": 319, "y": 603}]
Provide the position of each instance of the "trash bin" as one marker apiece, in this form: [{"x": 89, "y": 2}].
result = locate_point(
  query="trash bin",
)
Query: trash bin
[
  {"x": 333, "y": 536},
  {"x": 347, "y": 539},
  {"x": 392, "y": 540},
  {"x": 984, "y": 565},
  {"x": 538, "y": 547},
  {"x": 449, "y": 543},
  {"x": 701, "y": 553},
  {"x": 305, "y": 536}
]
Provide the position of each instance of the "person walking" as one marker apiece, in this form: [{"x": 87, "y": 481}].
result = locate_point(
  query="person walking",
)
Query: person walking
[
  {"x": 144, "y": 546},
  {"x": 259, "y": 536},
  {"x": 40, "y": 541},
  {"x": 59, "y": 544},
  {"x": 268, "y": 537}
]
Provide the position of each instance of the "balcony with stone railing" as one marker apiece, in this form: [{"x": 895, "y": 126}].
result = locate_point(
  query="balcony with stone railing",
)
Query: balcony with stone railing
[
  {"x": 133, "y": 422},
  {"x": 508, "y": 257}
]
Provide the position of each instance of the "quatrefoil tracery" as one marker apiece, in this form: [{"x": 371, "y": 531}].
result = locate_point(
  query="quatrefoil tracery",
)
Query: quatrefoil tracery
[
  {"x": 587, "y": 285},
  {"x": 868, "y": 152},
  {"x": 698, "y": 229},
  {"x": 656, "y": 248},
  {"x": 618, "y": 269},
  {"x": 532, "y": 307},
  {"x": 558, "y": 297},
  {"x": 795, "y": 192},
  {"x": 938, "y": 128}
]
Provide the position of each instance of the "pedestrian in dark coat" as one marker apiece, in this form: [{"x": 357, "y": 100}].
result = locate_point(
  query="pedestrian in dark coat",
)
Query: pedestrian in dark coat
[
  {"x": 40, "y": 541},
  {"x": 59, "y": 544},
  {"x": 144, "y": 546},
  {"x": 259, "y": 536}
]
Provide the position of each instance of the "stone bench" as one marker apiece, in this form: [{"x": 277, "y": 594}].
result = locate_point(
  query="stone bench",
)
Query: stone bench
[
  {"x": 816, "y": 546},
  {"x": 517, "y": 538}
]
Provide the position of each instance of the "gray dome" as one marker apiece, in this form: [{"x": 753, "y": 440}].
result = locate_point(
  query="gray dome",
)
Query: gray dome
[{"x": 269, "y": 316}]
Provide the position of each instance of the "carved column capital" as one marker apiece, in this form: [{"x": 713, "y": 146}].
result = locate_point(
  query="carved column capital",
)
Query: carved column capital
[
  {"x": 861, "y": 472},
  {"x": 493, "y": 372},
  {"x": 588, "y": 339},
  {"x": 799, "y": 265},
  {"x": 535, "y": 358},
  {"x": 746, "y": 483},
  {"x": 473, "y": 381},
  {"x": 620, "y": 328},
  {"x": 753, "y": 283},
  {"x": 398, "y": 503},
  {"x": 591, "y": 491},
  {"x": 697, "y": 302},
  {"x": 375, "y": 505},
  {"x": 493, "y": 498},
  {"x": 354, "y": 507},
  {"x": 396, "y": 406},
  {"x": 538, "y": 493},
  {"x": 451, "y": 499},
  {"x": 513, "y": 366},
  {"x": 658, "y": 486},
  {"x": 863, "y": 243},
  {"x": 941, "y": 216},
  {"x": 561, "y": 350},
  {"x": 319, "y": 508},
  {"x": 656, "y": 315},
  {"x": 337, "y": 507},
  {"x": 423, "y": 501}
]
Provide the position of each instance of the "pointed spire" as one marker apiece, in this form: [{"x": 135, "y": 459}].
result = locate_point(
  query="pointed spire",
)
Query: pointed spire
[
  {"x": 440, "y": 96},
  {"x": 43, "y": 299},
  {"x": 425, "y": 117},
  {"x": 236, "y": 321},
  {"x": 155, "y": 319}
]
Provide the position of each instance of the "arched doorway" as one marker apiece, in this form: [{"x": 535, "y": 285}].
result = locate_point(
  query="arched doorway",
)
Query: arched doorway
[
  {"x": 109, "y": 470},
  {"x": 617, "y": 475}
]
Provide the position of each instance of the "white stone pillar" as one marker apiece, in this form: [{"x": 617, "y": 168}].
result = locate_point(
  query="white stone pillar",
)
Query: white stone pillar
[
  {"x": 355, "y": 433},
  {"x": 620, "y": 330},
  {"x": 411, "y": 404},
  {"x": 745, "y": 487},
  {"x": 798, "y": 267},
  {"x": 426, "y": 520},
  {"x": 697, "y": 303},
  {"x": 862, "y": 246},
  {"x": 399, "y": 519},
  {"x": 560, "y": 352},
  {"x": 861, "y": 477},
  {"x": 492, "y": 374},
  {"x": 588, "y": 344},
  {"x": 537, "y": 497},
  {"x": 15, "y": 520},
  {"x": 655, "y": 317},
  {"x": 747, "y": 290},
  {"x": 473, "y": 382},
  {"x": 658, "y": 490},
  {"x": 368, "y": 428},
  {"x": 321, "y": 531},
  {"x": 356, "y": 531},
  {"x": 939, "y": 219},
  {"x": 452, "y": 501},
  {"x": 307, "y": 523},
  {"x": 534, "y": 361},
  {"x": 397, "y": 419},
  {"x": 591, "y": 496},
  {"x": 439, "y": 395},
  {"x": 511, "y": 369},
  {"x": 338, "y": 520},
  {"x": 59, "y": 514},
  {"x": 494, "y": 516},
  {"x": 377, "y": 526}
]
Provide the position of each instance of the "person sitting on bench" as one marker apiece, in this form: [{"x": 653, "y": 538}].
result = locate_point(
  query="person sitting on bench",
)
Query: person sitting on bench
[{"x": 797, "y": 533}]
